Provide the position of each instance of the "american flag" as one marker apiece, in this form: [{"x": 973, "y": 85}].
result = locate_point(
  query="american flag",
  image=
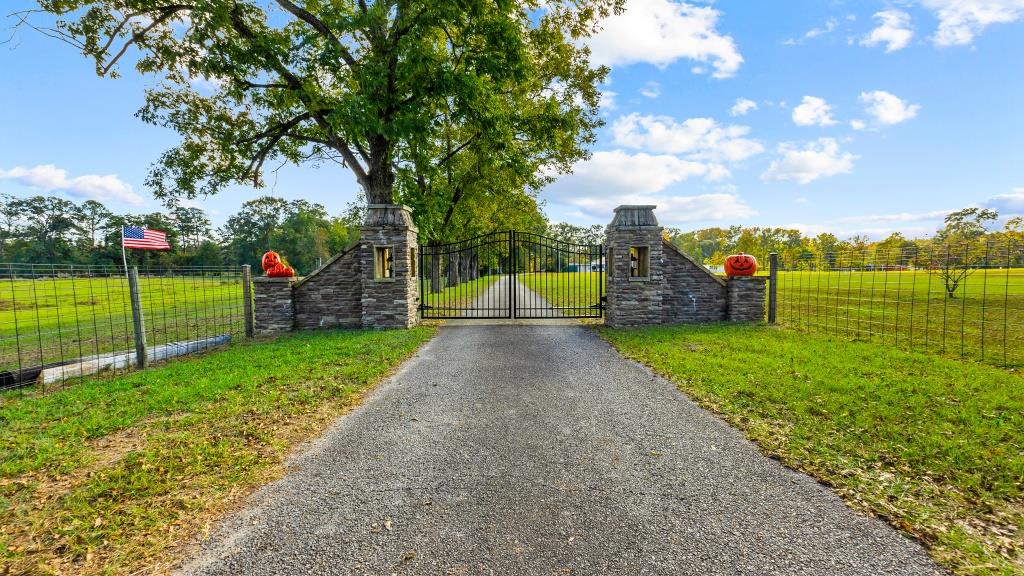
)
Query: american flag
[{"x": 144, "y": 238}]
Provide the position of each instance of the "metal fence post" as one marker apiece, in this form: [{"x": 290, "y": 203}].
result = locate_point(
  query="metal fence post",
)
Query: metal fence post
[
  {"x": 247, "y": 300},
  {"x": 773, "y": 277},
  {"x": 141, "y": 361}
]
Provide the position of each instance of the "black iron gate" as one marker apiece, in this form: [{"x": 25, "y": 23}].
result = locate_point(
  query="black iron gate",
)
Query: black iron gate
[{"x": 511, "y": 275}]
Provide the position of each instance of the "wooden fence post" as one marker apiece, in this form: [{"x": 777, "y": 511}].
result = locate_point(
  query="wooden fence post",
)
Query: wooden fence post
[
  {"x": 141, "y": 361},
  {"x": 773, "y": 282},
  {"x": 247, "y": 300}
]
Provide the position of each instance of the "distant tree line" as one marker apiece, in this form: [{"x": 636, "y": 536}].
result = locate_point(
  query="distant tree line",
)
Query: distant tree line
[
  {"x": 965, "y": 232},
  {"x": 48, "y": 229}
]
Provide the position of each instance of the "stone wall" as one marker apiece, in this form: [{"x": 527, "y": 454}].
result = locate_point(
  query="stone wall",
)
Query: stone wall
[
  {"x": 746, "y": 298},
  {"x": 677, "y": 288},
  {"x": 332, "y": 296},
  {"x": 272, "y": 301},
  {"x": 346, "y": 292},
  {"x": 692, "y": 293}
]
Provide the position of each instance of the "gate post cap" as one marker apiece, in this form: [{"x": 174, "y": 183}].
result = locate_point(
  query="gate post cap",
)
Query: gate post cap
[
  {"x": 388, "y": 216},
  {"x": 635, "y": 216}
]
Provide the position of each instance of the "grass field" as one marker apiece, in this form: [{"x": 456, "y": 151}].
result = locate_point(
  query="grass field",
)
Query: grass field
[
  {"x": 909, "y": 309},
  {"x": 452, "y": 300},
  {"x": 933, "y": 445},
  {"x": 577, "y": 291},
  {"x": 109, "y": 476},
  {"x": 51, "y": 319}
]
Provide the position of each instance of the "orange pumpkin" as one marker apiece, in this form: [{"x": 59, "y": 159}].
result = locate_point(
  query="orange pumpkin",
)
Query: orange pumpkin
[
  {"x": 740, "y": 265},
  {"x": 275, "y": 267},
  {"x": 270, "y": 260}
]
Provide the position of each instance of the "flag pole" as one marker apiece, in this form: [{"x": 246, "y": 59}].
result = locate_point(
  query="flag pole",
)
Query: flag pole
[{"x": 124, "y": 257}]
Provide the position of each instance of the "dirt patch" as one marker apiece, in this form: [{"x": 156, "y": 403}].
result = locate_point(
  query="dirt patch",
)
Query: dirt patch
[{"x": 6, "y": 305}]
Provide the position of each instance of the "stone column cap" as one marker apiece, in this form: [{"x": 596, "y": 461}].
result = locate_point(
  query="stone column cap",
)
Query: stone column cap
[
  {"x": 401, "y": 206},
  {"x": 278, "y": 280},
  {"x": 635, "y": 216},
  {"x": 388, "y": 216}
]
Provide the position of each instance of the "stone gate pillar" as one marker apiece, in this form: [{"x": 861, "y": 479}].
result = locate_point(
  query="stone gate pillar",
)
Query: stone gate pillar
[
  {"x": 635, "y": 268},
  {"x": 388, "y": 261},
  {"x": 272, "y": 301}
]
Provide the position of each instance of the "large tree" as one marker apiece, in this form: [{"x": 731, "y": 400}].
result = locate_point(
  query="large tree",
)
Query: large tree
[{"x": 459, "y": 97}]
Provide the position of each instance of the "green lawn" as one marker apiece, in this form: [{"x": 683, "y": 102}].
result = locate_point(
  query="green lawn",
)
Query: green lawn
[
  {"x": 50, "y": 319},
  {"x": 452, "y": 300},
  {"x": 107, "y": 476},
  {"x": 910, "y": 309},
  {"x": 934, "y": 445},
  {"x": 577, "y": 291}
]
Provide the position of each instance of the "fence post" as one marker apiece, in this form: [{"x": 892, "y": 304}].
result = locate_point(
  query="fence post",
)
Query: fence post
[
  {"x": 141, "y": 361},
  {"x": 247, "y": 300},
  {"x": 773, "y": 276}
]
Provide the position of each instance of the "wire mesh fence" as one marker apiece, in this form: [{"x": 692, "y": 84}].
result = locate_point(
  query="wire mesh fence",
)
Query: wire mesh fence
[
  {"x": 63, "y": 322},
  {"x": 964, "y": 300}
]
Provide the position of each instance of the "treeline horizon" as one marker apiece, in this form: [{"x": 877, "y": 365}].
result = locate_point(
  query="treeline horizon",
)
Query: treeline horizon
[
  {"x": 53, "y": 230},
  {"x": 970, "y": 230}
]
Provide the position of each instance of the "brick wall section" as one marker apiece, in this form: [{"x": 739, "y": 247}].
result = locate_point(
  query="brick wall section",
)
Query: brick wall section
[
  {"x": 332, "y": 296},
  {"x": 685, "y": 278},
  {"x": 273, "y": 311},
  {"x": 746, "y": 298},
  {"x": 389, "y": 302}
]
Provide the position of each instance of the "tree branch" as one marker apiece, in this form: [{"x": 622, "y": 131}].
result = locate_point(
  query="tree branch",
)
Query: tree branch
[
  {"x": 293, "y": 82},
  {"x": 307, "y": 17},
  {"x": 167, "y": 13},
  {"x": 458, "y": 149}
]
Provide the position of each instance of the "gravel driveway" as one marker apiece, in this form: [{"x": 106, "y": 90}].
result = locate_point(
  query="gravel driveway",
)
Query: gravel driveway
[{"x": 537, "y": 449}]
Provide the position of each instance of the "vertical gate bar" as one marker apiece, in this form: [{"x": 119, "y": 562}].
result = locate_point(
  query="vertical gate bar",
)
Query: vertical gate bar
[{"x": 513, "y": 257}]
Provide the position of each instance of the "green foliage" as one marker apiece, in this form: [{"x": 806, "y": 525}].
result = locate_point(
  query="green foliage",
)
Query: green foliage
[
  {"x": 932, "y": 445},
  {"x": 445, "y": 106},
  {"x": 299, "y": 230}
]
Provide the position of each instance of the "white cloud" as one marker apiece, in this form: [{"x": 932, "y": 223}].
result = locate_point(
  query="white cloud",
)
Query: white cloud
[
  {"x": 611, "y": 178},
  {"x": 742, "y": 107},
  {"x": 607, "y": 102},
  {"x": 618, "y": 171},
  {"x": 1007, "y": 204},
  {"x": 858, "y": 124},
  {"x": 897, "y": 217},
  {"x": 813, "y": 111},
  {"x": 699, "y": 138},
  {"x": 651, "y": 90},
  {"x": 828, "y": 27},
  {"x": 660, "y": 32},
  {"x": 894, "y": 30},
  {"x": 819, "y": 159},
  {"x": 888, "y": 108},
  {"x": 960, "y": 21},
  {"x": 848, "y": 231},
  {"x": 49, "y": 178}
]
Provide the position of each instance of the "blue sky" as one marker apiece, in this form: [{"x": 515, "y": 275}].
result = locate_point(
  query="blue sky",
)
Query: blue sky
[{"x": 850, "y": 117}]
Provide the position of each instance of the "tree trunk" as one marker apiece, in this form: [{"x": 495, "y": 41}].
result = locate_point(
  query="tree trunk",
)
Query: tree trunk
[
  {"x": 453, "y": 269},
  {"x": 380, "y": 179},
  {"x": 464, "y": 273},
  {"x": 435, "y": 273}
]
